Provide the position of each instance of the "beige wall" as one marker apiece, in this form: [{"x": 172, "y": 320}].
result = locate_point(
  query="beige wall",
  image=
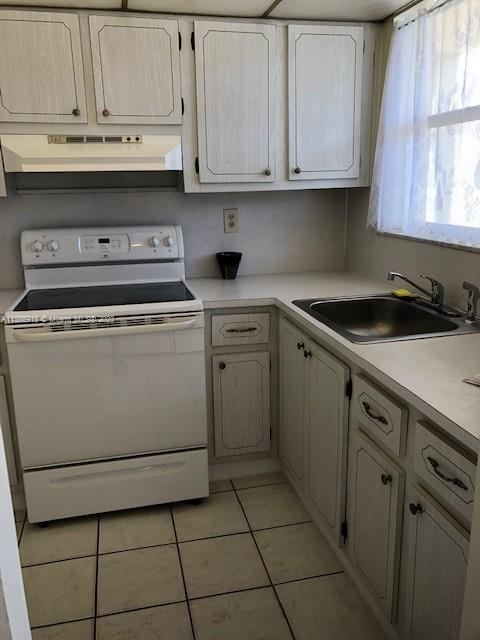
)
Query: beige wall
[
  {"x": 371, "y": 254},
  {"x": 278, "y": 232}
]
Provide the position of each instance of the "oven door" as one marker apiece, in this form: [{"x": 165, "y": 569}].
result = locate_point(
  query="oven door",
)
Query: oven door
[{"x": 98, "y": 393}]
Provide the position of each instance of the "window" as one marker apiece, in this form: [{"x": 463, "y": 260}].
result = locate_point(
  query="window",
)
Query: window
[{"x": 426, "y": 180}]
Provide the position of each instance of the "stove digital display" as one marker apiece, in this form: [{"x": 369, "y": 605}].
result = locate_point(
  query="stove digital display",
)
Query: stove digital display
[{"x": 104, "y": 240}]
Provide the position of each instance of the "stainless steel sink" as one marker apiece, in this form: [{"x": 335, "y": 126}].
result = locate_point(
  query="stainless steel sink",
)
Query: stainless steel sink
[{"x": 384, "y": 318}]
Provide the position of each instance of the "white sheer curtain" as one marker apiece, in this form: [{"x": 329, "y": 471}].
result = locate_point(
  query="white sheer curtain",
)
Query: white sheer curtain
[{"x": 426, "y": 180}]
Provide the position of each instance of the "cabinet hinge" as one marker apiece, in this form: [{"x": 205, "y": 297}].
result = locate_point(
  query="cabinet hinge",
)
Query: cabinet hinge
[
  {"x": 344, "y": 530},
  {"x": 179, "y": 41},
  {"x": 183, "y": 106},
  {"x": 197, "y": 166},
  {"x": 349, "y": 389},
  {"x": 192, "y": 40}
]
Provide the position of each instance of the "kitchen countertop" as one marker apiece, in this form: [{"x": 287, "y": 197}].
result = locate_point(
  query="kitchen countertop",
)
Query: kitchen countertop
[{"x": 427, "y": 373}]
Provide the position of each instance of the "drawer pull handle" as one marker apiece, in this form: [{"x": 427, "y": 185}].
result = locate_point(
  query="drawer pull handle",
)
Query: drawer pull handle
[
  {"x": 245, "y": 330},
  {"x": 222, "y": 365},
  {"x": 386, "y": 478},
  {"x": 456, "y": 481},
  {"x": 373, "y": 416},
  {"x": 300, "y": 345},
  {"x": 415, "y": 508}
]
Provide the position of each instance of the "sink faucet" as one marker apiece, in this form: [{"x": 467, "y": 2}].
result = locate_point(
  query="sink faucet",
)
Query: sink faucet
[
  {"x": 473, "y": 294},
  {"x": 436, "y": 294}
]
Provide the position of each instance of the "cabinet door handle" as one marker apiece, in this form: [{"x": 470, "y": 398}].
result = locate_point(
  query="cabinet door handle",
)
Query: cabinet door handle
[
  {"x": 373, "y": 416},
  {"x": 307, "y": 354},
  {"x": 222, "y": 365},
  {"x": 76, "y": 112},
  {"x": 386, "y": 478},
  {"x": 297, "y": 170},
  {"x": 245, "y": 330},
  {"x": 415, "y": 509},
  {"x": 267, "y": 172},
  {"x": 300, "y": 345},
  {"x": 105, "y": 113},
  {"x": 456, "y": 481}
]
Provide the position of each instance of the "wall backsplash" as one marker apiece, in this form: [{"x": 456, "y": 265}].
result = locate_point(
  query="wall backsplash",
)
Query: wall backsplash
[
  {"x": 374, "y": 255},
  {"x": 278, "y": 232}
]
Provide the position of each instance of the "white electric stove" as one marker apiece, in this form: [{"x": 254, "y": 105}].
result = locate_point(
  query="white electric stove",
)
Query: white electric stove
[{"x": 106, "y": 352}]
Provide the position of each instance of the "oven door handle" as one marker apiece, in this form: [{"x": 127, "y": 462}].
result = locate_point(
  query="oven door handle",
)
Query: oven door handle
[{"x": 40, "y": 335}]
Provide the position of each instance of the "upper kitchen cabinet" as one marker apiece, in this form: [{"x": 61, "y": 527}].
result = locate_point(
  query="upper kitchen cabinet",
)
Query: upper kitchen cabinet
[
  {"x": 136, "y": 70},
  {"x": 235, "y": 81},
  {"x": 325, "y": 67},
  {"x": 41, "y": 69}
]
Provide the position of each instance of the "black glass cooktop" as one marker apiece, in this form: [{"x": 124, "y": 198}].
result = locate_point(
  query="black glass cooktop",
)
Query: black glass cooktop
[{"x": 103, "y": 296}]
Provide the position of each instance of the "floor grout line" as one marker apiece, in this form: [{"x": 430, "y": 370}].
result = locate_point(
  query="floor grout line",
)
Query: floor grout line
[
  {"x": 56, "y": 624},
  {"x": 315, "y": 577},
  {"x": 266, "y": 568},
  {"x": 95, "y": 609},
  {"x": 183, "y": 575}
]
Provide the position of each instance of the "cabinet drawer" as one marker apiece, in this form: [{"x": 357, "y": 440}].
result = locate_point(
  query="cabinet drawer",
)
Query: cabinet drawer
[
  {"x": 446, "y": 468},
  {"x": 240, "y": 328},
  {"x": 382, "y": 416}
]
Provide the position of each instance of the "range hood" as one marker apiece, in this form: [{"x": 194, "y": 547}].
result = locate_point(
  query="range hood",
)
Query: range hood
[{"x": 68, "y": 153}]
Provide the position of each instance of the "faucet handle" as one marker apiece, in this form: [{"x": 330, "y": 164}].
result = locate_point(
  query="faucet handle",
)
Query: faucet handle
[
  {"x": 473, "y": 296},
  {"x": 438, "y": 290}
]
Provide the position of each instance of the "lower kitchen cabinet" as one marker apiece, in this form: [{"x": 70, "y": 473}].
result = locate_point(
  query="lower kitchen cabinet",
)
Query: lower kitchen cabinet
[
  {"x": 313, "y": 422},
  {"x": 327, "y": 428},
  {"x": 293, "y": 377},
  {"x": 375, "y": 501},
  {"x": 437, "y": 567},
  {"x": 241, "y": 395}
]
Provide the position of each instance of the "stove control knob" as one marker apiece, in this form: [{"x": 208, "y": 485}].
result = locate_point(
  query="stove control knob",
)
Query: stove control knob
[
  {"x": 53, "y": 246},
  {"x": 154, "y": 241},
  {"x": 37, "y": 246},
  {"x": 168, "y": 241}
]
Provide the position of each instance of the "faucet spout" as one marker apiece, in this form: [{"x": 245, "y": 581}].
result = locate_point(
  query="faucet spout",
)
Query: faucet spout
[{"x": 395, "y": 274}]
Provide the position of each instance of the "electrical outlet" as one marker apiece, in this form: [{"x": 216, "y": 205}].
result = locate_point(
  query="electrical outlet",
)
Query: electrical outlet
[{"x": 230, "y": 220}]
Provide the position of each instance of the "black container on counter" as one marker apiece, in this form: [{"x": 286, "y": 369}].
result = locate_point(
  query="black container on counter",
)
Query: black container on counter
[{"x": 228, "y": 262}]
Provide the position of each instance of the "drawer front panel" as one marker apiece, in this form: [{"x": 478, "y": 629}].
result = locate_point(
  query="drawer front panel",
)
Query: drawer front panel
[
  {"x": 379, "y": 414},
  {"x": 449, "y": 471},
  {"x": 66, "y": 492},
  {"x": 240, "y": 328}
]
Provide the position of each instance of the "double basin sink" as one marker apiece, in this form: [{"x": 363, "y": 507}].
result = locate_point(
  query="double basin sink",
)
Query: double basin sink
[{"x": 384, "y": 318}]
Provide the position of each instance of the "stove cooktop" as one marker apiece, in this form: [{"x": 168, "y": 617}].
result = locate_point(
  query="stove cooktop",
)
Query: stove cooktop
[{"x": 104, "y": 296}]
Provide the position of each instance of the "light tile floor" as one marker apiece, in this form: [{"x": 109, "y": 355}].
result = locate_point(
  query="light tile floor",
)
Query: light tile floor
[{"x": 247, "y": 563}]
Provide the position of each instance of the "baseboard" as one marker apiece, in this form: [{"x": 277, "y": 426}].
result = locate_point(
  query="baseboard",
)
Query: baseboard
[{"x": 227, "y": 470}]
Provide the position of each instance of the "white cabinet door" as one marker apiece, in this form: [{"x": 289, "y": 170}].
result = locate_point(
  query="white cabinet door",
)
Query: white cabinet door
[
  {"x": 438, "y": 558},
  {"x": 6, "y": 429},
  {"x": 241, "y": 392},
  {"x": 235, "y": 101},
  {"x": 41, "y": 69},
  {"x": 327, "y": 428},
  {"x": 375, "y": 502},
  {"x": 136, "y": 70},
  {"x": 325, "y": 65},
  {"x": 292, "y": 391}
]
